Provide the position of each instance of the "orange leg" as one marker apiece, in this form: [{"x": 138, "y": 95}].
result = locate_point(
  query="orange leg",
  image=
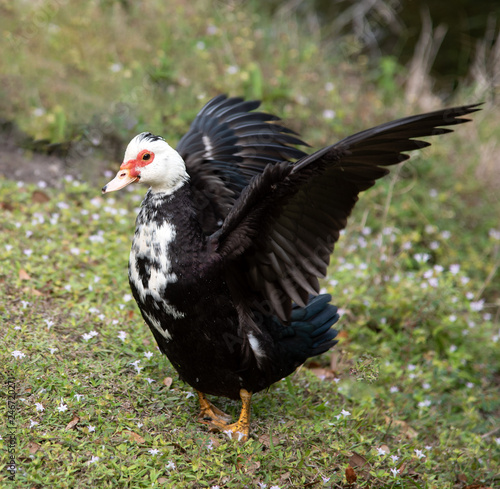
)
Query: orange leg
[
  {"x": 241, "y": 429},
  {"x": 209, "y": 413}
]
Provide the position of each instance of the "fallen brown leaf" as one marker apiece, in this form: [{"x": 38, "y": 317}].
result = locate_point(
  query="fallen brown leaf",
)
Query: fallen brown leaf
[
  {"x": 23, "y": 275},
  {"x": 72, "y": 423},
  {"x": 33, "y": 447},
  {"x": 385, "y": 448},
  {"x": 167, "y": 381},
  {"x": 356, "y": 460},
  {"x": 39, "y": 197},
  {"x": 323, "y": 373},
  {"x": 404, "y": 427},
  {"x": 134, "y": 436},
  {"x": 350, "y": 475}
]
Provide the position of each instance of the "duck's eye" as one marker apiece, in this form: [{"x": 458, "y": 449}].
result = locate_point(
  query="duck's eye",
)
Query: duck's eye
[{"x": 146, "y": 157}]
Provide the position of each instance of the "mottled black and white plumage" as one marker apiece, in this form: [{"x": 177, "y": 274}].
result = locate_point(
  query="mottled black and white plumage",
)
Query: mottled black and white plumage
[{"x": 233, "y": 235}]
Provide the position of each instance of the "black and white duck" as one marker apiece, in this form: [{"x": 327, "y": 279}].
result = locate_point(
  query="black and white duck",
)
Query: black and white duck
[{"x": 234, "y": 232}]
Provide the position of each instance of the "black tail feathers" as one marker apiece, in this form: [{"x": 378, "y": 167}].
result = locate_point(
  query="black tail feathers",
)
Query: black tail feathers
[{"x": 316, "y": 321}]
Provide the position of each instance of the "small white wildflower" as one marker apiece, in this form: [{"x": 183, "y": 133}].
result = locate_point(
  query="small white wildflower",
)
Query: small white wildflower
[
  {"x": 395, "y": 472},
  {"x": 454, "y": 269},
  {"x": 62, "y": 407},
  {"x": 232, "y": 70},
  {"x": 78, "y": 396},
  {"x": 328, "y": 114},
  {"x": 433, "y": 193},
  {"x": 411, "y": 367},
  {"x": 394, "y": 458},
  {"x": 148, "y": 354},
  {"x": 477, "y": 306},
  {"x": 425, "y": 403},
  {"x": 170, "y": 465},
  {"x": 33, "y": 423},
  {"x": 426, "y": 385},
  {"x": 393, "y": 389},
  {"x": 28, "y": 252},
  {"x": 18, "y": 354},
  {"x": 93, "y": 460},
  {"x": 150, "y": 381},
  {"x": 140, "y": 425},
  {"x": 122, "y": 335},
  {"x": 345, "y": 413},
  {"x": 445, "y": 234},
  {"x": 494, "y": 233},
  {"x": 49, "y": 323},
  {"x": 38, "y": 111},
  {"x": 497, "y": 441},
  {"x": 421, "y": 257},
  {"x": 381, "y": 451},
  {"x": 452, "y": 318},
  {"x": 39, "y": 406},
  {"x": 127, "y": 298},
  {"x": 469, "y": 385},
  {"x": 91, "y": 428},
  {"x": 116, "y": 67},
  {"x": 453, "y": 348},
  {"x": 434, "y": 282},
  {"x": 96, "y": 238},
  {"x": 189, "y": 394},
  {"x": 419, "y": 453},
  {"x": 325, "y": 479},
  {"x": 154, "y": 451}
]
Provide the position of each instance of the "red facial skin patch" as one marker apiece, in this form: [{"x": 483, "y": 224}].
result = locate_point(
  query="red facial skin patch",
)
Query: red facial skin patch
[{"x": 145, "y": 157}]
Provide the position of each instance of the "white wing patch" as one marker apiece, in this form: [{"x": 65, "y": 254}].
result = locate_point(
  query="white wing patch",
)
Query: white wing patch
[
  {"x": 255, "y": 346},
  {"x": 208, "y": 147}
]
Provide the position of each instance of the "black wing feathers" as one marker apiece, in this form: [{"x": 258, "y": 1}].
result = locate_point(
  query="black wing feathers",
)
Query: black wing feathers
[
  {"x": 225, "y": 147},
  {"x": 278, "y": 237}
]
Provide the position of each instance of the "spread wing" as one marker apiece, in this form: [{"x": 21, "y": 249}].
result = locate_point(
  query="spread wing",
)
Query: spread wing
[
  {"x": 226, "y": 145},
  {"x": 278, "y": 238}
]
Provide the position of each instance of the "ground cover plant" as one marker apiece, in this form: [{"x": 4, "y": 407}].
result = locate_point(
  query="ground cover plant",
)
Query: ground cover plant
[{"x": 410, "y": 396}]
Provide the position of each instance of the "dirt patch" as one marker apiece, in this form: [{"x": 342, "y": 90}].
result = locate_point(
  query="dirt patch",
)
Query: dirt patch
[{"x": 28, "y": 161}]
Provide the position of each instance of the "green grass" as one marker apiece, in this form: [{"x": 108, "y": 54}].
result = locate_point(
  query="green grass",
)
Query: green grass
[{"x": 416, "y": 372}]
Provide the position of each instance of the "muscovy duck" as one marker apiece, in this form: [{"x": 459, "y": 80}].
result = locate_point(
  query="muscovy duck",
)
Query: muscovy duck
[{"x": 233, "y": 235}]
